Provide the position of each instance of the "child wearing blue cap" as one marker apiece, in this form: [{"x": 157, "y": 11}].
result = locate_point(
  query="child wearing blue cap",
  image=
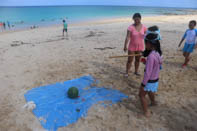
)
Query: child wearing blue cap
[
  {"x": 190, "y": 36},
  {"x": 151, "y": 30}
]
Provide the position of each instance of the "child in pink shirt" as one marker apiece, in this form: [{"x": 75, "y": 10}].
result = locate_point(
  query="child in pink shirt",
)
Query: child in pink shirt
[
  {"x": 135, "y": 37},
  {"x": 151, "y": 76}
]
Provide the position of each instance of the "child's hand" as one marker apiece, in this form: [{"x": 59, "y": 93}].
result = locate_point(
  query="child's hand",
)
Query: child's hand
[
  {"x": 179, "y": 44},
  {"x": 143, "y": 60},
  {"x": 125, "y": 49},
  {"x": 195, "y": 47}
]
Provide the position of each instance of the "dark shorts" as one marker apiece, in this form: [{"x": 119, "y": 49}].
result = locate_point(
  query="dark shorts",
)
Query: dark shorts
[{"x": 65, "y": 30}]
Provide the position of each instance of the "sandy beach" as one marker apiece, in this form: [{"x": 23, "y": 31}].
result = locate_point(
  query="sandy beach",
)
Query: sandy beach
[{"x": 41, "y": 56}]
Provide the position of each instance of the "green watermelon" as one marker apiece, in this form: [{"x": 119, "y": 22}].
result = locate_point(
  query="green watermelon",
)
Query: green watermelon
[{"x": 73, "y": 92}]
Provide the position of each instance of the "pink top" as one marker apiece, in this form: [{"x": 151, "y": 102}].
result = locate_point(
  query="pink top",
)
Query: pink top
[{"x": 136, "y": 38}]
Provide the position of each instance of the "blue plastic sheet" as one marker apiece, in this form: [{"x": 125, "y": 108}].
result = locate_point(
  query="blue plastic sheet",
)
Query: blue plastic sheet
[{"x": 54, "y": 109}]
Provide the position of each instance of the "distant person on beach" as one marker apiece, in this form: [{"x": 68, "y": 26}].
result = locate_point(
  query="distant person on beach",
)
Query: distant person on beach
[
  {"x": 135, "y": 36},
  {"x": 34, "y": 27},
  {"x": 1, "y": 25},
  {"x": 190, "y": 43},
  {"x": 8, "y": 23},
  {"x": 65, "y": 28},
  {"x": 4, "y": 25},
  {"x": 151, "y": 75}
]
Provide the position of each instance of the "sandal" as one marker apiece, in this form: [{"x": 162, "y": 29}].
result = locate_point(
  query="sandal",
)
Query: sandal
[
  {"x": 137, "y": 74},
  {"x": 126, "y": 75}
]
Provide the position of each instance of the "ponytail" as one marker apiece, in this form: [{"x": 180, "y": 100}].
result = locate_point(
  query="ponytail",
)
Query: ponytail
[{"x": 158, "y": 48}]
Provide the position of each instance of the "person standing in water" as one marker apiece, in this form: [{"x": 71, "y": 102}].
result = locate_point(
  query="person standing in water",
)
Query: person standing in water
[
  {"x": 4, "y": 25},
  {"x": 1, "y": 25},
  {"x": 65, "y": 28},
  {"x": 135, "y": 36},
  {"x": 8, "y": 23}
]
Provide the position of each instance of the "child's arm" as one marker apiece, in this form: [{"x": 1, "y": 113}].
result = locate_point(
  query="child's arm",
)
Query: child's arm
[
  {"x": 126, "y": 40},
  {"x": 148, "y": 71},
  {"x": 184, "y": 36},
  {"x": 181, "y": 41},
  {"x": 196, "y": 41}
]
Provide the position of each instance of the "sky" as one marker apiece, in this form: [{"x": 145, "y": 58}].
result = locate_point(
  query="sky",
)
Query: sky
[{"x": 160, "y": 3}]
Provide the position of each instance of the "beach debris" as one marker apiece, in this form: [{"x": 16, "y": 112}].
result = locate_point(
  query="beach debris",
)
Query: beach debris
[
  {"x": 23, "y": 43},
  {"x": 92, "y": 33},
  {"x": 77, "y": 110},
  {"x": 42, "y": 119},
  {"x": 101, "y": 32},
  {"x": 83, "y": 99},
  {"x": 30, "y": 105},
  {"x": 132, "y": 97},
  {"x": 18, "y": 43},
  {"x": 15, "y": 44},
  {"x": 53, "y": 40},
  {"x": 105, "y": 48}
]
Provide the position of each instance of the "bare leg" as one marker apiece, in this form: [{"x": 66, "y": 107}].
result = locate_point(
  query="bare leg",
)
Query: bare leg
[
  {"x": 129, "y": 62},
  {"x": 66, "y": 32},
  {"x": 184, "y": 54},
  {"x": 152, "y": 98},
  {"x": 142, "y": 95},
  {"x": 187, "y": 58},
  {"x": 137, "y": 62}
]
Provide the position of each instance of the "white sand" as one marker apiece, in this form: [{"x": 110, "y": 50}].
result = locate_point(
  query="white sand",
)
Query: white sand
[{"x": 32, "y": 58}]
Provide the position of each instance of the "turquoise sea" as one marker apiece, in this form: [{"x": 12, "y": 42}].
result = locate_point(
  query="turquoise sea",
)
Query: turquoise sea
[{"x": 23, "y": 17}]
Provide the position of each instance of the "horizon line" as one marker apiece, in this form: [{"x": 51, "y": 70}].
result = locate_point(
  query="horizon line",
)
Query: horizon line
[{"x": 98, "y": 5}]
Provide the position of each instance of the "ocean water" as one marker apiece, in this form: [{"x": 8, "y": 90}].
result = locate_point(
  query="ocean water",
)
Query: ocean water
[{"x": 21, "y": 17}]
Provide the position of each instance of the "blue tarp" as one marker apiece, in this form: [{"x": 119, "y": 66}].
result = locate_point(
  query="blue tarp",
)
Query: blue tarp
[{"x": 54, "y": 109}]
